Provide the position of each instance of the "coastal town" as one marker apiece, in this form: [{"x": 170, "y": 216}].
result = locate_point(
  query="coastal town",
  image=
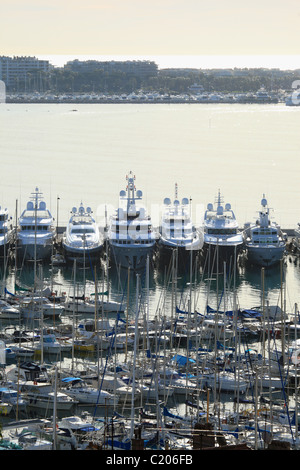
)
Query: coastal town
[{"x": 32, "y": 80}]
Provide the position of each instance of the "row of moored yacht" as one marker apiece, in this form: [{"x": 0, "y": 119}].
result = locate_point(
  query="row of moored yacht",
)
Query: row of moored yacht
[{"x": 131, "y": 238}]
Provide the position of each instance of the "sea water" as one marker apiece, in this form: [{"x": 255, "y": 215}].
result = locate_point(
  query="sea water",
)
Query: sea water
[{"x": 84, "y": 152}]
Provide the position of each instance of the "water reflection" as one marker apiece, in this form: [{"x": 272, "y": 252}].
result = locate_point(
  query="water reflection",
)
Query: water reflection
[{"x": 162, "y": 288}]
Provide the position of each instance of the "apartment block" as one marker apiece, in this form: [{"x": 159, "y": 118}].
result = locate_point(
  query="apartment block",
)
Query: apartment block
[{"x": 13, "y": 69}]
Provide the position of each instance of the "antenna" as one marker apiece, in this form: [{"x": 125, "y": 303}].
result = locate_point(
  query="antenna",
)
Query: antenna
[
  {"x": 36, "y": 196},
  {"x": 219, "y": 198}
]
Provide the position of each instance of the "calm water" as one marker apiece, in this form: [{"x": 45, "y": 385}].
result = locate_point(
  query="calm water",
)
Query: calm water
[
  {"x": 243, "y": 150},
  {"x": 83, "y": 153}
]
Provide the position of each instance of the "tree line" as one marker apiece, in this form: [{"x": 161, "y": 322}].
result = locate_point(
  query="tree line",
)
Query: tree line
[{"x": 61, "y": 80}]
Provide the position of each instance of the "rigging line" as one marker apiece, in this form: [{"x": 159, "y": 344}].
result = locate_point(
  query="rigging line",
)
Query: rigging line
[
  {"x": 164, "y": 289},
  {"x": 282, "y": 386},
  {"x": 108, "y": 355}
]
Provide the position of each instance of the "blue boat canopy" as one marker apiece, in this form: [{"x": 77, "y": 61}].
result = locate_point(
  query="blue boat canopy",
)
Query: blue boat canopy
[
  {"x": 71, "y": 379},
  {"x": 182, "y": 360}
]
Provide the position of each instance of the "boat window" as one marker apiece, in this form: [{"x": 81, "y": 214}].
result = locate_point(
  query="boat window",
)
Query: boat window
[
  {"x": 27, "y": 375},
  {"x": 222, "y": 231},
  {"x": 90, "y": 327},
  {"x": 265, "y": 231},
  {"x": 265, "y": 241},
  {"x": 82, "y": 230}
]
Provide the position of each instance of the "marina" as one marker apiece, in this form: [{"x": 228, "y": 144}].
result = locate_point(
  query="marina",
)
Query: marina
[
  {"x": 174, "y": 354},
  {"x": 169, "y": 356},
  {"x": 191, "y": 97}
]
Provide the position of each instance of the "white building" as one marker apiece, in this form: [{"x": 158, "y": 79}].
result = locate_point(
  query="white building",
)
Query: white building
[{"x": 14, "y": 69}]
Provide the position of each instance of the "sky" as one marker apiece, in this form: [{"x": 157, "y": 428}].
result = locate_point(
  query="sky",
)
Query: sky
[{"x": 175, "y": 31}]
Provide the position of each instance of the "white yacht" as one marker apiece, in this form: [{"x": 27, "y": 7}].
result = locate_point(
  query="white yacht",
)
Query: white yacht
[
  {"x": 36, "y": 231},
  {"x": 265, "y": 243},
  {"x": 36, "y": 307},
  {"x": 6, "y": 232},
  {"x": 37, "y": 398},
  {"x": 9, "y": 312},
  {"x": 82, "y": 240},
  {"x": 84, "y": 393},
  {"x": 177, "y": 230},
  {"x": 131, "y": 236},
  {"x": 11, "y": 396},
  {"x": 223, "y": 240}
]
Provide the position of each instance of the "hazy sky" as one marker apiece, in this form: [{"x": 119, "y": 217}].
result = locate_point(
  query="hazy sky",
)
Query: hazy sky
[{"x": 150, "y": 27}]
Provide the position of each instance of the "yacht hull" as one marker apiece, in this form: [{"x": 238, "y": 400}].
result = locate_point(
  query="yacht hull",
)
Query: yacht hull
[
  {"x": 265, "y": 257},
  {"x": 216, "y": 255},
  {"x": 133, "y": 257},
  {"x": 183, "y": 257},
  {"x": 92, "y": 397},
  {"x": 36, "y": 401},
  {"x": 82, "y": 256},
  {"x": 29, "y": 252},
  {"x": 5, "y": 247}
]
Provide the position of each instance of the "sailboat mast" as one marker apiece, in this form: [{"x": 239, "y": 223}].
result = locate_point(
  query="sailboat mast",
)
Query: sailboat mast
[
  {"x": 35, "y": 236},
  {"x": 16, "y": 243},
  {"x": 134, "y": 356}
]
